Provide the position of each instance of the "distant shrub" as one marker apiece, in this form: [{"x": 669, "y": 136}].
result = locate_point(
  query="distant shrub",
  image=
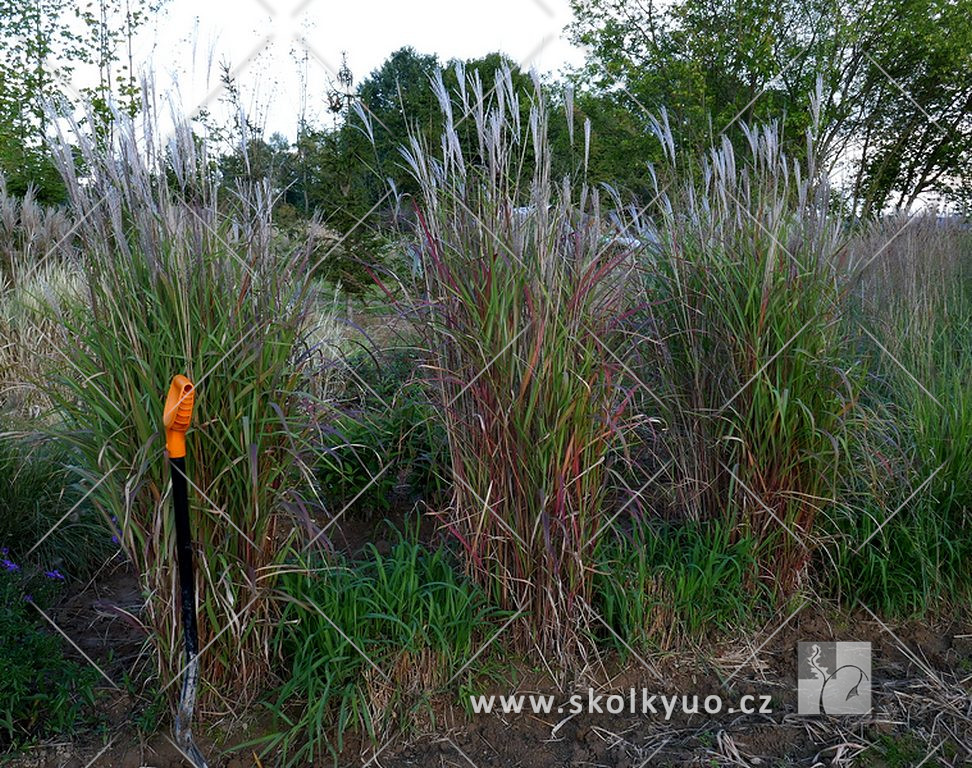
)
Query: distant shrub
[{"x": 387, "y": 443}]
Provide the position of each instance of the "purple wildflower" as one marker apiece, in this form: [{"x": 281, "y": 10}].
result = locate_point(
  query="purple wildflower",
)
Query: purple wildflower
[
  {"x": 55, "y": 574},
  {"x": 9, "y": 565}
]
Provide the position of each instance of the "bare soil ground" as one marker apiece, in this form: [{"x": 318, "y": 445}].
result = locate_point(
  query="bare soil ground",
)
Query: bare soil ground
[
  {"x": 921, "y": 705},
  {"x": 921, "y": 708}
]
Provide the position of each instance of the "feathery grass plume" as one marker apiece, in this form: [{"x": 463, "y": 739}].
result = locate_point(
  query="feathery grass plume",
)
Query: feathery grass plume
[
  {"x": 32, "y": 335},
  {"x": 913, "y": 300},
  {"x": 522, "y": 296},
  {"x": 182, "y": 278},
  {"x": 37, "y": 267},
  {"x": 31, "y": 235},
  {"x": 743, "y": 352}
]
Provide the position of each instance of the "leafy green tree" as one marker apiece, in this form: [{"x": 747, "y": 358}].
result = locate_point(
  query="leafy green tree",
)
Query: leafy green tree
[
  {"x": 30, "y": 32},
  {"x": 892, "y": 80},
  {"x": 344, "y": 175},
  {"x": 710, "y": 64},
  {"x": 106, "y": 44},
  {"x": 43, "y": 43},
  {"x": 914, "y": 129},
  {"x": 257, "y": 159}
]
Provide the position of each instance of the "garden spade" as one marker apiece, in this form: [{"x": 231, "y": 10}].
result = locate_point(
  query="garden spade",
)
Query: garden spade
[{"x": 176, "y": 417}]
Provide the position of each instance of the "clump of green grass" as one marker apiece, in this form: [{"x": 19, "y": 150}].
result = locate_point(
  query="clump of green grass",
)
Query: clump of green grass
[
  {"x": 384, "y": 444},
  {"x": 659, "y": 583},
  {"x": 520, "y": 298},
  {"x": 742, "y": 354},
  {"x": 913, "y": 316},
  {"x": 45, "y": 521},
  {"x": 364, "y": 643},
  {"x": 179, "y": 276}
]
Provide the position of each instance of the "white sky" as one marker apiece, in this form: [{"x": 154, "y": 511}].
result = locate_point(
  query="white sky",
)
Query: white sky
[{"x": 260, "y": 39}]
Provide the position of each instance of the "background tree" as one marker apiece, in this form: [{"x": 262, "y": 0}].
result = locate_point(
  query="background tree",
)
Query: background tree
[
  {"x": 343, "y": 175},
  {"x": 915, "y": 137},
  {"x": 30, "y": 77},
  {"x": 894, "y": 82},
  {"x": 106, "y": 44},
  {"x": 43, "y": 43}
]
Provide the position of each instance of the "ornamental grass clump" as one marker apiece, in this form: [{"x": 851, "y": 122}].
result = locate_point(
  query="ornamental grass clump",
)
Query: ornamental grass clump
[
  {"x": 521, "y": 292},
  {"x": 180, "y": 276},
  {"x": 902, "y": 541},
  {"x": 37, "y": 265},
  {"x": 743, "y": 349}
]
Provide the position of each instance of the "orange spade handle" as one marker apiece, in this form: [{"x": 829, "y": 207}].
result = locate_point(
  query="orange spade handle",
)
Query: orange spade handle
[{"x": 177, "y": 414}]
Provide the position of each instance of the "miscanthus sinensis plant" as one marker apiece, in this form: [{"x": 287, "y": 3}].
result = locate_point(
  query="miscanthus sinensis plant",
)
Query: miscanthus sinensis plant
[
  {"x": 744, "y": 353},
  {"x": 181, "y": 276},
  {"x": 521, "y": 290},
  {"x": 37, "y": 265}
]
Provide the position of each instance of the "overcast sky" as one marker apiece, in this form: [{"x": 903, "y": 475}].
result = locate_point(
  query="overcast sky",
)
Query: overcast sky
[{"x": 261, "y": 41}]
